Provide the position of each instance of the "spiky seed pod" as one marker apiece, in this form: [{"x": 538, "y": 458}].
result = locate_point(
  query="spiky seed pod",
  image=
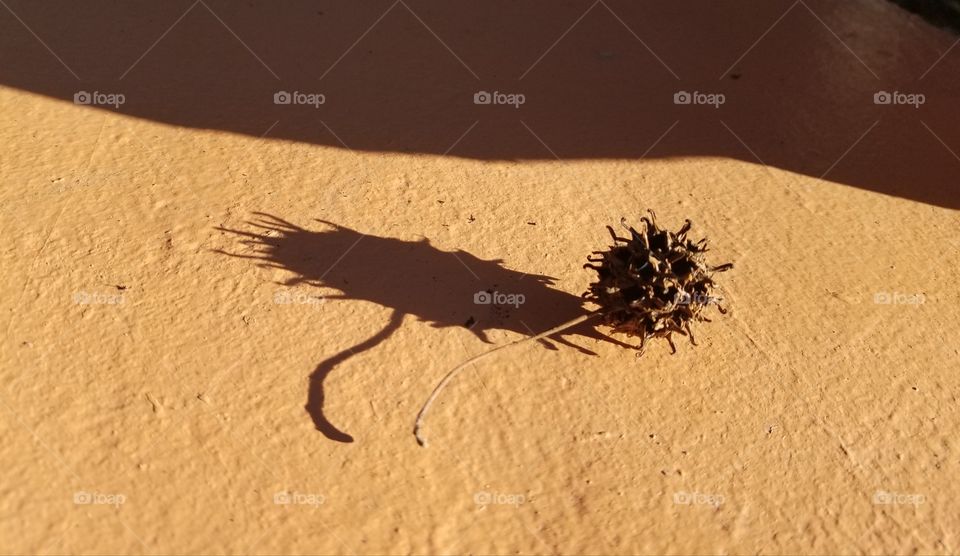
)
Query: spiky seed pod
[
  {"x": 654, "y": 284},
  {"x": 651, "y": 285}
]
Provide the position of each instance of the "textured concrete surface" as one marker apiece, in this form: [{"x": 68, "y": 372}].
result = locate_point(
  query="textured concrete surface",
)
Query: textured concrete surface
[{"x": 176, "y": 269}]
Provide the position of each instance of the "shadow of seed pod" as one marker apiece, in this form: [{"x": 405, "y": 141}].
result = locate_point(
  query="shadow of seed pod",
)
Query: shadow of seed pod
[
  {"x": 651, "y": 285},
  {"x": 654, "y": 283}
]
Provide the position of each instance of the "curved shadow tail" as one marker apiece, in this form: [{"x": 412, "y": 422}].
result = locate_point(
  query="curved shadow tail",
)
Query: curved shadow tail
[{"x": 315, "y": 394}]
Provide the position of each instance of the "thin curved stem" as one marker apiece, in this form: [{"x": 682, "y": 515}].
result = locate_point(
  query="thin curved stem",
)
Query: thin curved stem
[{"x": 421, "y": 417}]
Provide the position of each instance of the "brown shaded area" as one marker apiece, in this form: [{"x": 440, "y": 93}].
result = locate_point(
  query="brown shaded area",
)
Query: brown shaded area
[
  {"x": 945, "y": 13},
  {"x": 411, "y": 278},
  {"x": 598, "y": 82}
]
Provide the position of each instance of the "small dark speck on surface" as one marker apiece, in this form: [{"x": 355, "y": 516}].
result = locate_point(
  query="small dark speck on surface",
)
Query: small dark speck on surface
[
  {"x": 531, "y": 223},
  {"x": 470, "y": 322},
  {"x": 735, "y": 76}
]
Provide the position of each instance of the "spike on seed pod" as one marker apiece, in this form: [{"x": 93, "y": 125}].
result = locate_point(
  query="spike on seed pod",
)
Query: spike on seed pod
[
  {"x": 651, "y": 285},
  {"x": 655, "y": 283}
]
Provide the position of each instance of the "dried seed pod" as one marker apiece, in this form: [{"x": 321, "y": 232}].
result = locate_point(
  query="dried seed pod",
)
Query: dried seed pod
[
  {"x": 651, "y": 285},
  {"x": 654, "y": 283}
]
